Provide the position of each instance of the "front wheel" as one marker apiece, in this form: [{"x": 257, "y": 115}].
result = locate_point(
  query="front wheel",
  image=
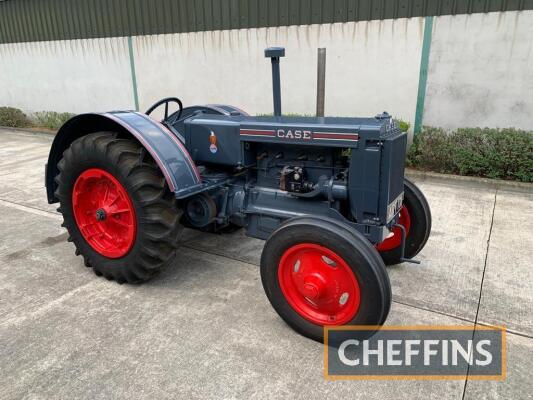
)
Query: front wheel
[
  {"x": 117, "y": 208},
  {"x": 415, "y": 216},
  {"x": 317, "y": 272}
]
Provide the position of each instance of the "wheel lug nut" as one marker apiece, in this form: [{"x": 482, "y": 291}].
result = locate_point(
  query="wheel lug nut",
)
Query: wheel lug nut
[{"x": 100, "y": 214}]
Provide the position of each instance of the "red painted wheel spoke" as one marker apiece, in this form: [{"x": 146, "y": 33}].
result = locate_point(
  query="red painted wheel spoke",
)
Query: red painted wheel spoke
[
  {"x": 104, "y": 213},
  {"x": 112, "y": 239},
  {"x": 124, "y": 210},
  {"x": 110, "y": 203},
  {"x": 120, "y": 222},
  {"x": 91, "y": 235},
  {"x": 319, "y": 284},
  {"x": 106, "y": 193}
]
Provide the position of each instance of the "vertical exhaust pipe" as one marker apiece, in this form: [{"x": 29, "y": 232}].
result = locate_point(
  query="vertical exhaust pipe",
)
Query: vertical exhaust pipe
[
  {"x": 275, "y": 53},
  {"x": 321, "y": 82}
]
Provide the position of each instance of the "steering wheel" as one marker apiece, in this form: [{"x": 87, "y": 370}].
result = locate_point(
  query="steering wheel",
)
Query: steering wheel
[{"x": 166, "y": 101}]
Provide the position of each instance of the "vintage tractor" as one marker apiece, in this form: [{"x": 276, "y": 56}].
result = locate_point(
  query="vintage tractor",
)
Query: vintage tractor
[{"x": 327, "y": 194}]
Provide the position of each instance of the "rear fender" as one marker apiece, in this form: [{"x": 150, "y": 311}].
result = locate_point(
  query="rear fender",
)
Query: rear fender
[{"x": 166, "y": 149}]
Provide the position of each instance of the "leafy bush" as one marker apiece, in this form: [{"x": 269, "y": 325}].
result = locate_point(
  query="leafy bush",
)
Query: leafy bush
[
  {"x": 403, "y": 125},
  {"x": 51, "y": 119},
  {"x": 13, "y": 117},
  {"x": 491, "y": 153}
]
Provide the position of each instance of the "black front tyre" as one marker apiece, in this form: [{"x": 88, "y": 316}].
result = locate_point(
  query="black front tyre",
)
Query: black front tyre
[
  {"x": 116, "y": 206},
  {"x": 415, "y": 216},
  {"x": 317, "y": 272}
]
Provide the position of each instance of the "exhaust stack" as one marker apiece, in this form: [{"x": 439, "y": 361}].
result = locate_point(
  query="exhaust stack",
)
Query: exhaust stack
[{"x": 275, "y": 53}]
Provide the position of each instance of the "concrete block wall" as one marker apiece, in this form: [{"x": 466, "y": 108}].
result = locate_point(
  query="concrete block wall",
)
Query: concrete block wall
[
  {"x": 74, "y": 75},
  {"x": 481, "y": 71},
  {"x": 371, "y": 66}
]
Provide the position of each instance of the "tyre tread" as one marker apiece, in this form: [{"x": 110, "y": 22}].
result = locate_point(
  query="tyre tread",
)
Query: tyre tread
[{"x": 157, "y": 237}]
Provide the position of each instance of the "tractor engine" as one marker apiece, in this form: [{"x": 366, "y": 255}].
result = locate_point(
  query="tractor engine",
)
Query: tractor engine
[
  {"x": 350, "y": 169},
  {"x": 303, "y": 172}
]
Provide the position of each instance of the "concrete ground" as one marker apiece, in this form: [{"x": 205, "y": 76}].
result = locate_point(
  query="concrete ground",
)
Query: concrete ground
[{"x": 205, "y": 329}]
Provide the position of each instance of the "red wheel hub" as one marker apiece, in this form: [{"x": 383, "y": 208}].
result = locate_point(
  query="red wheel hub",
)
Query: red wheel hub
[
  {"x": 318, "y": 284},
  {"x": 396, "y": 239},
  {"x": 104, "y": 213}
]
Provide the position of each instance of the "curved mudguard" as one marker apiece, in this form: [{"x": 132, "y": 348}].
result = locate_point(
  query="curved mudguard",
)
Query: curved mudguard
[{"x": 169, "y": 153}]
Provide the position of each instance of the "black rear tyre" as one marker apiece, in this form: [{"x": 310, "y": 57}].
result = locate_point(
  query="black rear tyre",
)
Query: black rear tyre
[
  {"x": 154, "y": 211},
  {"x": 420, "y": 226},
  {"x": 316, "y": 272}
]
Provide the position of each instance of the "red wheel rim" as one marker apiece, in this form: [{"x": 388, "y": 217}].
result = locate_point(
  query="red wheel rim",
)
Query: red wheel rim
[
  {"x": 396, "y": 240},
  {"x": 318, "y": 284},
  {"x": 104, "y": 213}
]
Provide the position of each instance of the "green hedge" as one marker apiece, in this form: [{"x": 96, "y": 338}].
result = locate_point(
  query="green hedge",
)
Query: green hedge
[
  {"x": 491, "y": 153},
  {"x": 13, "y": 117},
  {"x": 51, "y": 119}
]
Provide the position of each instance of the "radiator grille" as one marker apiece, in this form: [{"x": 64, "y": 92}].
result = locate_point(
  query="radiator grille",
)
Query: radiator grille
[{"x": 392, "y": 171}]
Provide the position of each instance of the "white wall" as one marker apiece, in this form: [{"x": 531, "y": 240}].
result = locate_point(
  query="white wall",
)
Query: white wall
[
  {"x": 371, "y": 67},
  {"x": 481, "y": 71},
  {"x": 74, "y": 75}
]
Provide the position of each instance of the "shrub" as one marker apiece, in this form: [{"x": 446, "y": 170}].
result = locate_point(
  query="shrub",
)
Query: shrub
[
  {"x": 51, "y": 119},
  {"x": 491, "y": 153},
  {"x": 403, "y": 125},
  {"x": 13, "y": 117}
]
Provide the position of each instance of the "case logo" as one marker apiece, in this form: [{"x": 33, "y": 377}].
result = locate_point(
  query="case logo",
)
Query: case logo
[
  {"x": 294, "y": 134},
  {"x": 300, "y": 134}
]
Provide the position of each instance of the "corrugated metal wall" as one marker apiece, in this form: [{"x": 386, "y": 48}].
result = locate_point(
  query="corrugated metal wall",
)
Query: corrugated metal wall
[{"x": 41, "y": 20}]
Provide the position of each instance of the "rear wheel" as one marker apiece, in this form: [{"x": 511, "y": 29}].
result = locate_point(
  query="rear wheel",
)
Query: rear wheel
[
  {"x": 117, "y": 208},
  {"x": 317, "y": 272},
  {"x": 415, "y": 216}
]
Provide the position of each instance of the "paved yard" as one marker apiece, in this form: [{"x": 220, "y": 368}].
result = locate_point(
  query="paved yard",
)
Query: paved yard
[{"x": 204, "y": 328}]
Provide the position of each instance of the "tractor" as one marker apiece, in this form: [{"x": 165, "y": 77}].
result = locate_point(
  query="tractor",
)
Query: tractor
[{"x": 328, "y": 194}]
